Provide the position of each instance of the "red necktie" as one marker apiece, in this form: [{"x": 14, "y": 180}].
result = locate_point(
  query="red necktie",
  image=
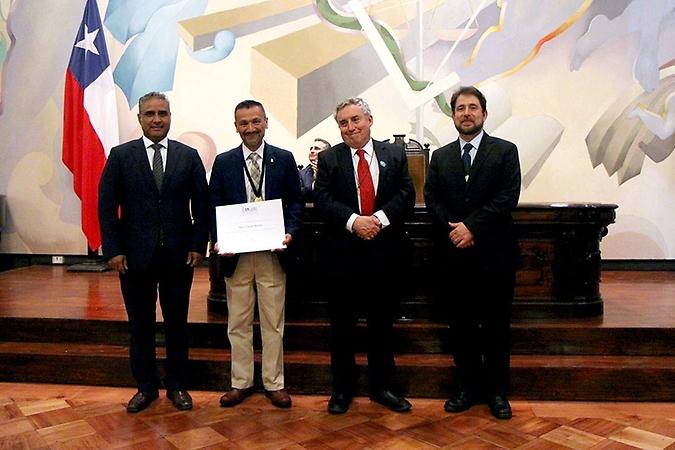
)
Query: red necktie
[{"x": 366, "y": 188}]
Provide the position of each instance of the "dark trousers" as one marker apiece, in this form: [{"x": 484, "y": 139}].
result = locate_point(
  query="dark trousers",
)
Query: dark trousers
[
  {"x": 479, "y": 305},
  {"x": 139, "y": 289},
  {"x": 365, "y": 289}
]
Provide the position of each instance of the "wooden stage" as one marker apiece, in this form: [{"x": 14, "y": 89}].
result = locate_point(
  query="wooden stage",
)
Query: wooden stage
[{"x": 61, "y": 327}]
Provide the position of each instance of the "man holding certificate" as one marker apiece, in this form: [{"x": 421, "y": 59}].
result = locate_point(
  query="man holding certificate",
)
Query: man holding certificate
[{"x": 256, "y": 194}]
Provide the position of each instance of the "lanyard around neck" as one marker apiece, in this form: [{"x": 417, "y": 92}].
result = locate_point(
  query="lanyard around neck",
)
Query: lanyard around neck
[{"x": 256, "y": 191}]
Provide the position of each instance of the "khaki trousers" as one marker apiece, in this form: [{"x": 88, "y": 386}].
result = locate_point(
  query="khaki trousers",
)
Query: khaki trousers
[{"x": 260, "y": 273}]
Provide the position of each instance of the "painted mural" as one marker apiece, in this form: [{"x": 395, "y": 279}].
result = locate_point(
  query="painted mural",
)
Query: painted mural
[{"x": 585, "y": 88}]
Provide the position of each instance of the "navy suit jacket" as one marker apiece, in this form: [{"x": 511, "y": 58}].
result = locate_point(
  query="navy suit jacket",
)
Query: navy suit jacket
[
  {"x": 181, "y": 209},
  {"x": 228, "y": 187},
  {"x": 335, "y": 195},
  {"x": 484, "y": 202}
]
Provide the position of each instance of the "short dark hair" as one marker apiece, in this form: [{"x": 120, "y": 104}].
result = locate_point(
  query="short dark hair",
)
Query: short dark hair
[
  {"x": 468, "y": 90},
  {"x": 323, "y": 141},
  {"x": 247, "y": 104},
  {"x": 150, "y": 95}
]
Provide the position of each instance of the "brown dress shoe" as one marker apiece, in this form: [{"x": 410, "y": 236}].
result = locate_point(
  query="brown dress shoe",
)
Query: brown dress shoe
[
  {"x": 234, "y": 396},
  {"x": 279, "y": 398}
]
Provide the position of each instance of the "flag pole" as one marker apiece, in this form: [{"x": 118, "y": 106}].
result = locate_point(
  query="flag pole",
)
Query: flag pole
[{"x": 90, "y": 126}]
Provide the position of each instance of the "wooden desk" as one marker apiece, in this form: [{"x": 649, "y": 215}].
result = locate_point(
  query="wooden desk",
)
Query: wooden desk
[{"x": 559, "y": 276}]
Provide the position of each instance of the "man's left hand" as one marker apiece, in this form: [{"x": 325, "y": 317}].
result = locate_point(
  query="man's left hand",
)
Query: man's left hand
[
  {"x": 287, "y": 240},
  {"x": 194, "y": 258},
  {"x": 460, "y": 236}
]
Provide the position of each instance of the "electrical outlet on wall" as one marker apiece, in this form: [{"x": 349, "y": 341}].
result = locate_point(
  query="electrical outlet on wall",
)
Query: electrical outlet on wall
[{"x": 57, "y": 259}]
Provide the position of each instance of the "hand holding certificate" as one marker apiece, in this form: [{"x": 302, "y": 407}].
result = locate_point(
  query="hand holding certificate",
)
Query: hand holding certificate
[{"x": 250, "y": 227}]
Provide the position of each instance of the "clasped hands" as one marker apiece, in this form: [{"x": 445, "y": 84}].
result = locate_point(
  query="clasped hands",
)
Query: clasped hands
[
  {"x": 367, "y": 227},
  {"x": 460, "y": 236}
]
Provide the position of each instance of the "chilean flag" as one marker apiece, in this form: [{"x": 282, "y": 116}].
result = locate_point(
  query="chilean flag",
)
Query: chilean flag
[{"x": 90, "y": 127}]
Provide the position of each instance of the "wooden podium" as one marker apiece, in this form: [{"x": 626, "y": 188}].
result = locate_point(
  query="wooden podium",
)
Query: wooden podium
[{"x": 559, "y": 276}]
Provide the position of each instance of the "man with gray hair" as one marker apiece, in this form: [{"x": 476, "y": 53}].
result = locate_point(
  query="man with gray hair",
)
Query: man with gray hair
[{"x": 365, "y": 192}]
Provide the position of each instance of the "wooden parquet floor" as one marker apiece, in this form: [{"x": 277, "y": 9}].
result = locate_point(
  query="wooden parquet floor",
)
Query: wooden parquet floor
[{"x": 42, "y": 416}]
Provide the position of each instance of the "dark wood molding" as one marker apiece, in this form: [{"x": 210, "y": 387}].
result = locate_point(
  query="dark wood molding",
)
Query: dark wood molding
[
  {"x": 639, "y": 264},
  {"x": 559, "y": 277}
]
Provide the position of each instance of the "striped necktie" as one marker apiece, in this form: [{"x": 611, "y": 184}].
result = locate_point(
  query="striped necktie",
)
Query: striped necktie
[{"x": 157, "y": 166}]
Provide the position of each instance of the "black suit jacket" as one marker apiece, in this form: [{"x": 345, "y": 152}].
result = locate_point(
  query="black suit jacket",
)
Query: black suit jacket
[
  {"x": 484, "y": 202},
  {"x": 336, "y": 197},
  {"x": 306, "y": 175},
  {"x": 228, "y": 187},
  {"x": 181, "y": 209}
]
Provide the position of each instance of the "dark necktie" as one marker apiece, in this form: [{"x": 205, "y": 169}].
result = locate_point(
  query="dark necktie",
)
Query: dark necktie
[
  {"x": 254, "y": 170},
  {"x": 157, "y": 166},
  {"x": 466, "y": 158},
  {"x": 366, "y": 188}
]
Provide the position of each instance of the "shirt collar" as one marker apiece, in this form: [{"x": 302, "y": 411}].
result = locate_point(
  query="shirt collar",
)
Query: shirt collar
[
  {"x": 164, "y": 142},
  {"x": 259, "y": 150},
  {"x": 368, "y": 148},
  {"x": 475, "y": 141}
]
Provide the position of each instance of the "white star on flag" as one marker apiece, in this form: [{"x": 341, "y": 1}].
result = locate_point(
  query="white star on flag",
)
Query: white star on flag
[{"x": 87, "y": 42}]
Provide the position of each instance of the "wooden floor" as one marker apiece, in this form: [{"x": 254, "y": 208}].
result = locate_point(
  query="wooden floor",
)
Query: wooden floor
[
  {"x": 631, "y": 299},
  {"x": 73, "y": 417}
]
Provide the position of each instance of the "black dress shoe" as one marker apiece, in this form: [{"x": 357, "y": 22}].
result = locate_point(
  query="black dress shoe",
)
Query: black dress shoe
[
  {"x": 500, "y": 408},
  {"x": 180, "y": 399},
  {"x": 141, "y": 400},
  {"x": 339, "y": 403},
  {"x": 460, "y": 402},
  {"x": 392, "y": 401}
]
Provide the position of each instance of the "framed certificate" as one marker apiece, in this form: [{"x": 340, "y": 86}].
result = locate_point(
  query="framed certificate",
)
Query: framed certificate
[{"x": 250, "y": 227}]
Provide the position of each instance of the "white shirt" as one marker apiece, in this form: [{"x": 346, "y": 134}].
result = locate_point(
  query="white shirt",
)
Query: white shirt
[
  {"x": 374, "y": 166},
  {"x": 247, "y": 152},
  {"x": 151, "y": 151}
]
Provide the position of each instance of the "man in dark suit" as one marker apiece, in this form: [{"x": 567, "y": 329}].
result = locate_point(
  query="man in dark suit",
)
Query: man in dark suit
[
  {"x": 364, "y": 190},
  {"x": 256, "y": 171},
  {"x": 154, "y": 213},
  {"x": 308, "y": 174},
  {"x": 472, "y": 186}
]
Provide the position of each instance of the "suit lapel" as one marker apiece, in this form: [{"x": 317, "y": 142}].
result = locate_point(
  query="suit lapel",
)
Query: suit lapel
[
  {"x": 141, "y": 159},
  {"x": 344, "y": 159},
  {"x": 238, "y": 178},
  {"x": 382, "y": 159},
  {"x": 172, "y": 158},
  {"x": 456, "y": 164},
  {"x": 481, "y": 155},
  {"x": 271, "y": 178}
]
